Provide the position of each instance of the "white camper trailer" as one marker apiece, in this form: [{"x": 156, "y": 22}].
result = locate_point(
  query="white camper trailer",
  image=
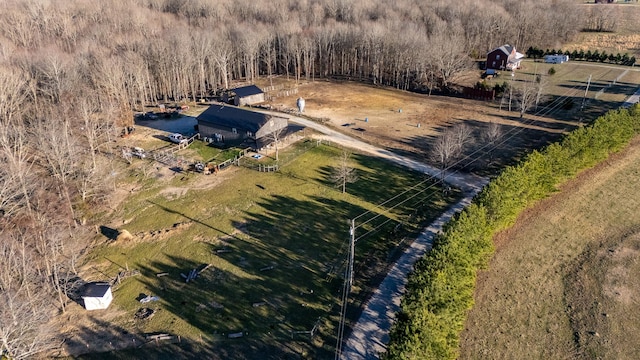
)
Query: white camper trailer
[{"x": 556, "y": 59}]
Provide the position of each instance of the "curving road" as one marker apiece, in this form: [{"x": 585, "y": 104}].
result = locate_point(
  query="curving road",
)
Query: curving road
[
  {"x": 466, "y": 182},
  {"x": 370, "y": 333}
]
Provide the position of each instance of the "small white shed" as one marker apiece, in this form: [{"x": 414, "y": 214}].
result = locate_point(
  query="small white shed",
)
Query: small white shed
[{"x": 97, "y": 296}]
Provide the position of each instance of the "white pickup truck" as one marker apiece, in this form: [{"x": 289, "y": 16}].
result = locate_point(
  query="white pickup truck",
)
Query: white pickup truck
[{"x": 177, "y": 138}]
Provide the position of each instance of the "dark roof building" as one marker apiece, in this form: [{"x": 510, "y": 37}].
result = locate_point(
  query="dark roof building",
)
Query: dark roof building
[
  {"x": 248, "y": 95},
  {"x": 224, "y": 123}
]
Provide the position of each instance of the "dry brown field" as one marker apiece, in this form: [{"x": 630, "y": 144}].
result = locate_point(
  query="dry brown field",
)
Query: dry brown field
[
  {"x": 564, "y": 282},
  {"x": 626, "y": 38},
  {"x": 408, "y": 122}
]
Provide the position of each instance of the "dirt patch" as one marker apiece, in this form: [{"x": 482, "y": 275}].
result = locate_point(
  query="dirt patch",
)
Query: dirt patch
[
  {"x": 156, "y": 235},
  {"x": 173, "y": 193},
  {"x": 124, "y": 236},
  {"x": 144, "y": 313},
  {"x": 198, "y": 182},
  {"x": 619, "y": 275},
  {"x": 602, "y": 292},
  {"x": 92, "y": 331},
  {"x": 408, "y": 122}
]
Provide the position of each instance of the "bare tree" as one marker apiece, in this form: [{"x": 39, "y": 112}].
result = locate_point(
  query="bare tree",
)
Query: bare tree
[
  {"x": 24, "y": 307},
  {"x": 601, "y": 18},
  {"x": 450, "y": 146},
  {"x": 344, "y": 173},
  {"x": 57, "y": 152},
  {"x": 464, "y": 135},
  {"x": 527, "y": 96},
  {"x": 447, "y": 54},
  {"x": 541, "y": 87},
  {"x": 491, "y": 135},
  {"x": 222, "y": 51},
  {"x": 275, "y": 137},
  {"x": 17, "y": 170},
  {"x": 13, "y": 89}
]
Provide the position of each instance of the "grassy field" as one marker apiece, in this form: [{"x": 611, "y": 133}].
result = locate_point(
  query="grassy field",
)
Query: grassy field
[
  {"x": 563, "y": 282},
  {"x": 275, "y": 243},
  {"x": 609, "y": 87}
]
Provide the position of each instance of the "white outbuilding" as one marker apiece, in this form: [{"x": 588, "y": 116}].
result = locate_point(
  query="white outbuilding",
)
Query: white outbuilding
[{"x": 97, "y": 296}]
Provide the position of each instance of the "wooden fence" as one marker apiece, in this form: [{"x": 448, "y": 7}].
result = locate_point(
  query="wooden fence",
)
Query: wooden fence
[
  {"x": 167, "y": 156},
  {"x": 280, "y": 93},
  {"x": 479, "y": 94}
]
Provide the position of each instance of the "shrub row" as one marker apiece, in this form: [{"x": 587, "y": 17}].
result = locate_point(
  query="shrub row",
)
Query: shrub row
[
  {"x": 581, "y": 55},
  {"x": 440, "y": 289}
]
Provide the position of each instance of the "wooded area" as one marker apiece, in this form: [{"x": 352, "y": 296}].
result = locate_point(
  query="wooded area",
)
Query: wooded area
[{"x": 72, "y": 73}]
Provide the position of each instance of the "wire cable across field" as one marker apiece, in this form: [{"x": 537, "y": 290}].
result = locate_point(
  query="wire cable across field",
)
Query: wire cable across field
[{"x": 433, "y": 188}]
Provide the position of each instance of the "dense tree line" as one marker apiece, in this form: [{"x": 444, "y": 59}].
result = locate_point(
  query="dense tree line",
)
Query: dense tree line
[
  {"x": 73, "y": 72},
  {"x": 143, "y": 51}
]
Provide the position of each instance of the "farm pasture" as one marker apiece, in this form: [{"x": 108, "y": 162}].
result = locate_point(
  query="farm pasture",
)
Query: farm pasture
[{"x": 564, "y": 279}]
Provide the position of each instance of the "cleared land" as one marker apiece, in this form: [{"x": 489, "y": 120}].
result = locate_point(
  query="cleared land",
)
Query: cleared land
[
  {"x": 293, "y": 220},
  {"x": 389, "y": 117},
  {"x": 275, "y": 243},
  {"x": 563, "y": 282}
]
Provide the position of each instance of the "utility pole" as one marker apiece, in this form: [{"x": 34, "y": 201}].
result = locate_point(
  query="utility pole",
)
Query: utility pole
[
  {"x": 352, "y": 250},
  {"x": 585, "y": 93},
  {"x": 346, "y": 289},
  {"x": 511, "y": 89}
]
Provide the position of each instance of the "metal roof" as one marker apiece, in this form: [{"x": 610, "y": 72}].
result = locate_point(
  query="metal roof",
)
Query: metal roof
[
  {"x": 247, "y": 91},
  {"x": 95, "y": 289},
  {"x": 506, "y": 48},
  {"x": 233, "y": 117}
]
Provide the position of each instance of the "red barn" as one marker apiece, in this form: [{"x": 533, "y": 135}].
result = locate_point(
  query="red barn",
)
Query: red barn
[{"x": 504, "y": 58}]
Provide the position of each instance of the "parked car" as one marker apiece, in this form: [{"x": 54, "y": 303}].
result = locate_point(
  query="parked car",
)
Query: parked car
[{"x": 177, "y": 138}]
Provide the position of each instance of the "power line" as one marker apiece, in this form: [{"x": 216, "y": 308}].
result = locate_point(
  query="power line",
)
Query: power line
[
  {"x": 552, "y": 107},
  {"x": 512, "y": 133}
]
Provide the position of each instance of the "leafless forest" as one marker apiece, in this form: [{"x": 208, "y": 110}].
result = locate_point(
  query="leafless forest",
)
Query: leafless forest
[{"x": 73, "y": 72}]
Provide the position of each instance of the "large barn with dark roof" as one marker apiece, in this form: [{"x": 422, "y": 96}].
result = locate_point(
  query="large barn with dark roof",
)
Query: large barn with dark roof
[{"x": 232, "y": 125}]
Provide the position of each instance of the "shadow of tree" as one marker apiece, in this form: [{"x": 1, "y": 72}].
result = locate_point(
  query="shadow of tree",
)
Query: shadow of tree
[
  {"x": 371, "y": 186},
  {"x": 279, "y": 271},
  {"x": 104, "y": 340},
  {"x": 519, "y": 137}
]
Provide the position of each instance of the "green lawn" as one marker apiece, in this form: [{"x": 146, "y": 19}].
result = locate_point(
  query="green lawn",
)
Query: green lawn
[
  {"x": 569, "y": 84},
  {"x": 286, "y": 235}
]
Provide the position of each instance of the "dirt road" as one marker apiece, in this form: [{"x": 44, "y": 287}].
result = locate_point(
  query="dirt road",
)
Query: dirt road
[
  {"x": 466, "y": 182},
  {"x": 370, "y": 334}
]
